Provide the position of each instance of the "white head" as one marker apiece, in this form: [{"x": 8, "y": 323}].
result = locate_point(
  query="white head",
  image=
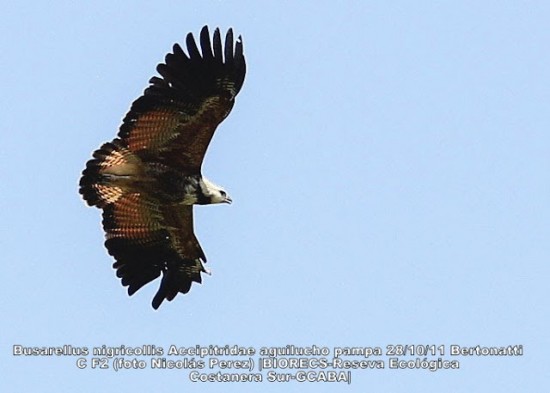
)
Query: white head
[{"x": 213, "y": 192}]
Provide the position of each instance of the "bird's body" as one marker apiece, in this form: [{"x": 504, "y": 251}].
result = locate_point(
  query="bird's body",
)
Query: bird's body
[
  {"x": 148, "y": 178},
  {"x": 123, "y": 172}
]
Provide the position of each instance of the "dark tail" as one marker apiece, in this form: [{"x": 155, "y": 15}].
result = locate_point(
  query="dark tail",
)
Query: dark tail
[{"x": 103, "y": 180}]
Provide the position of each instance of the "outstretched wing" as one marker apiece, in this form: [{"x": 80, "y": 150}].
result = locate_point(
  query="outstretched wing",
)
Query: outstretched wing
[
  {"x": 148, "y": 239},
  {"x": 178, "y": 113}
]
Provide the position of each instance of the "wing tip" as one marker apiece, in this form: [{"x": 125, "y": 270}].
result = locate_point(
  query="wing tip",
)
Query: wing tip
[
  {"x": 211, "y": 48},
  {"x": 177, "y": 280},
  {"x": 206, "y": 65},
  {"x": 157, "y": 300}
]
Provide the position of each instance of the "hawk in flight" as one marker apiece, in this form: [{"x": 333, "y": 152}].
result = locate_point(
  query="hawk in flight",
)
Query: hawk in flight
[{"x": 149, "y": 177}]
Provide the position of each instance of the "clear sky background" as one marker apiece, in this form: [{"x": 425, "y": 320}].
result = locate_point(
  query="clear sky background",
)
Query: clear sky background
[{"x": 388, "y": 163}]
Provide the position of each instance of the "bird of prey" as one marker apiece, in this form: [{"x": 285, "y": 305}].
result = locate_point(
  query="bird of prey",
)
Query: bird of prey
[{"x": 149, "y": 177}]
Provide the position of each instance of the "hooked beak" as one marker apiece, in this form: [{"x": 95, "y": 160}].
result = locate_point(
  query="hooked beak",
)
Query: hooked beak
[{"x": 228, "y": 200}]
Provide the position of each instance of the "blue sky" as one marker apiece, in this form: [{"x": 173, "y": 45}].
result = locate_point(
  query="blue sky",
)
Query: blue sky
[{"x": 388, "y": 164}]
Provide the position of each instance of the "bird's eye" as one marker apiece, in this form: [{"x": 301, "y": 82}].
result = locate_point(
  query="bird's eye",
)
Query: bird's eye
[{"x": 223, "y": 193}]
